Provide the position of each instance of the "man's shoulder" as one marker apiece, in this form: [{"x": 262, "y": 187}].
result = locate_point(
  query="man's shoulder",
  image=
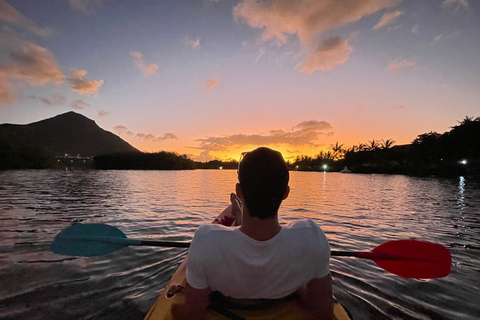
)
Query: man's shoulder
[
  {"x": 212, "y": 230},
  {"x": 303, "y": 224},
  {"x": 308, "y": 231},
  {"x": 213, "y": 227},
  {"x": 208, "y": 238}
]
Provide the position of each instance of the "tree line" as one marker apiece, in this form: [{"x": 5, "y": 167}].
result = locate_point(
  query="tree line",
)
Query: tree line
[
  {"x": 451, "y": 153},
  {"x": 157, "y": 161},
  {"x": 454, "y": 152}
]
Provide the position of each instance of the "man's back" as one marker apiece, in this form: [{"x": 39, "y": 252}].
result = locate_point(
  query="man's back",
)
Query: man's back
[{"x": 228, "y": 261}]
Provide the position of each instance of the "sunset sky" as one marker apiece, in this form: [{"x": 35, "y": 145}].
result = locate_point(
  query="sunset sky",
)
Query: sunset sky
[{"x": 214, "y": 78}]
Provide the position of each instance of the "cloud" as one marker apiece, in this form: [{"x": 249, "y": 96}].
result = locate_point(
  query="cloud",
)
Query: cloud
[
  {"x": 79, "y": 104},
  {"x": 277, "y": 19},
  {"x": 445, "y": 37},
  {"x": 146, "y": 68},
  {"x": 121, "y": 129},
  {"x": 29, "y": 63},
  {"x": 167, "y": 136},
  {"x": 306, "y": 133},
  {"x": 387, "y": 19},
  {"x": 11, "y": 16},
  {"x": 437, "y": 38},
  {"x": 260, "y": 53},
  {"x": 55, "y": 101},
  {"x": 81, "y": 85},
  {"x": 103, "y": 113},
  {"x": 149, "y": 137},
  {"x": 86, "y": 6},
  {"x": 211, "y": 83},
  {"x": 401, "y": 64},
  {"x": 205, "y": 157},
  {"x": 457, "y": 4},
  {"x": 329, "y": 54},
  {"x": 6, "y": 94},
  {"x": 193, "y": 43},
  {"x": 414, "y": 29}
]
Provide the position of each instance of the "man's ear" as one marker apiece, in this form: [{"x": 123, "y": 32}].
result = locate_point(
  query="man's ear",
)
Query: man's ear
[
  {"x": 287, "y": 191},
  {"x": 238, "y": 190}
]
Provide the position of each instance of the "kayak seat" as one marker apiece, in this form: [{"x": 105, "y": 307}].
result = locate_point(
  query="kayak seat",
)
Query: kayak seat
[{"x": 217, "y": 298}]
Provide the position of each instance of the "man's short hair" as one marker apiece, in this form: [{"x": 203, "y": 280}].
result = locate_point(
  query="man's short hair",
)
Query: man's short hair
[{"x": 263, "y": 177}]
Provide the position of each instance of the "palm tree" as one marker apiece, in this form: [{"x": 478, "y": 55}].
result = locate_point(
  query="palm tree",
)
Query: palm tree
[
  {"x": 338, "y": 151},
  {"x": 466, "y": 120},
  {"x": 372, "y": 145},
  {"x": 354, "y": 148},
  {"x": 362, "y": 147},
  {"x": 386, "y": 144}
]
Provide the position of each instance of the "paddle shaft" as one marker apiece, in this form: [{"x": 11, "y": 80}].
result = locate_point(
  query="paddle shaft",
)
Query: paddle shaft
[
  {"x": 124, "y": 241},
  {"x": 164, "y": 244},
  {"x": 136, "y": 242},
  {"x": 406, "y": 258}
]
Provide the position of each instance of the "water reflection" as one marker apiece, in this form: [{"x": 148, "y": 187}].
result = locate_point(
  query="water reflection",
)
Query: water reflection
[
  {"x": 461, "y": 191},
  {"x": 357, "y": 212}
]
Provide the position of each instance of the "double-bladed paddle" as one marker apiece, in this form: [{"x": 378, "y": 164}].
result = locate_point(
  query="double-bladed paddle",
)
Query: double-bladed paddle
[{"x": 406, "y": 258}]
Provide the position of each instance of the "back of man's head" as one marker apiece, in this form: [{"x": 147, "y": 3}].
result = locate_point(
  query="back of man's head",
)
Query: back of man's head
[{"x": 263, "y": 177}]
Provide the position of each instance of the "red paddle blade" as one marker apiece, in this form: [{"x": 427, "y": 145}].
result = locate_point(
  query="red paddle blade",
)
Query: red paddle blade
[{"x": 413, "y": 259}]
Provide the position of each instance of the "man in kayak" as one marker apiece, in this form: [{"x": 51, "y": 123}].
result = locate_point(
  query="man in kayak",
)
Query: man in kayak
[{"x": 260, "y": 259}]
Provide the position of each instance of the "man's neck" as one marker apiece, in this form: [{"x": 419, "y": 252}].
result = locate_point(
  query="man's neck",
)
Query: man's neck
[{"x": 260, "y": 229}]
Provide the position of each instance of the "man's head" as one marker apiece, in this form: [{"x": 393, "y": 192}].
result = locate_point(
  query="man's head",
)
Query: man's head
[{"x": 263, "y": 182}]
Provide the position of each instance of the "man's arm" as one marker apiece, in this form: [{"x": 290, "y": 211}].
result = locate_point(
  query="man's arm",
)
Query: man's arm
[
  {"x": 317, "y": 297},
  {"x": 196, "y": 302}
]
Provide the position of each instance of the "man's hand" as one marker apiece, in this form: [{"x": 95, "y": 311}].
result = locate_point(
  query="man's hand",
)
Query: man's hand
[
  {"x": 237, "y": 209},
  {"x": 196, "y": 302},
  {"x": 317, "y": 297}
]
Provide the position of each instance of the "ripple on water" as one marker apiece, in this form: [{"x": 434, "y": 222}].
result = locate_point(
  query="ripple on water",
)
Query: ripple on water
[{"x": 357, "y": 212}]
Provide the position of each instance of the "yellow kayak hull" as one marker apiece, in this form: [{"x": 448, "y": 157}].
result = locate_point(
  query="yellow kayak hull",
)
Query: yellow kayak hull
[{"x": 162, "y": 309}]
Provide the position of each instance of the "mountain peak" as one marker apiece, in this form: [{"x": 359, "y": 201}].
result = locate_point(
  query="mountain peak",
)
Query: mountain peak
[{"x": 70, "y": 133}]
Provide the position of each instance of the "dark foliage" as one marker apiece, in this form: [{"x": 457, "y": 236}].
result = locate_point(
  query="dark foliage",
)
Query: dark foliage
[
  {"x": 217, "y": 164},
  {"x": 452, "y": 153},
  {"x": 144, "y": 161},
  {"x": 17, "y": 152}
]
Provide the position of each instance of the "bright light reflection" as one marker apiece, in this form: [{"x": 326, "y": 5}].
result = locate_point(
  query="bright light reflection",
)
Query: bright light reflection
[{"x": 461, "y": 191}]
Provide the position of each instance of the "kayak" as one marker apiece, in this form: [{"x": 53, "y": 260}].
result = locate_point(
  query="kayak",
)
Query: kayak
[{"x": 284, "y": 309}]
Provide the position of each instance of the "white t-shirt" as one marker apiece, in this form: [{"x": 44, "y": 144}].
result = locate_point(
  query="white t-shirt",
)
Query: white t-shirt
[{"x": 228, "y": 261}]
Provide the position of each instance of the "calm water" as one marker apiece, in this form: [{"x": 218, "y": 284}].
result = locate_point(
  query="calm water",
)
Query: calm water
[{"x": 357, "y": 212}]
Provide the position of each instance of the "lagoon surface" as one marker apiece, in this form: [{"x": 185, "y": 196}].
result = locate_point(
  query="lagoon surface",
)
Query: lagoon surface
[{"x": 357, "y": 212}]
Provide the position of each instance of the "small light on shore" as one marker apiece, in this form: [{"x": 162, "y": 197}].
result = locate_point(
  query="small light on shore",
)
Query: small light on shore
[
  {"x": 325, "y": 167},
  {"x": 463, "y": 162},
  {"x": 221, "y": 168}
]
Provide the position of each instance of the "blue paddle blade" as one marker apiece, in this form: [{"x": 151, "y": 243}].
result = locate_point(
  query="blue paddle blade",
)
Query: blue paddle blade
[{"x": 90, "y": 240}]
